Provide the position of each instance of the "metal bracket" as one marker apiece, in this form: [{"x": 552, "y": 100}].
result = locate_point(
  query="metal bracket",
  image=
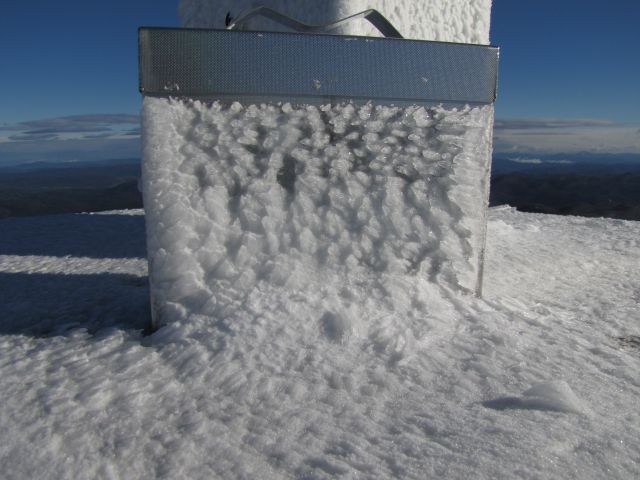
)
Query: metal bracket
[
  {"x": 291, "y": 66},
  {"x": 374, "y": 17}
]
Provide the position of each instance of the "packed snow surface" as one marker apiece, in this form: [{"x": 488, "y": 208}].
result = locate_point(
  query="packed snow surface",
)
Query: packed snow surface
[
  {"x": 464, "y": 21},
  {"x": 537, "y": 380},
  {"x": 356, "y": 209}
]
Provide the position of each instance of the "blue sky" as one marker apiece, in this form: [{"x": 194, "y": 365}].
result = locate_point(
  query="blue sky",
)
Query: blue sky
[{"x": 569, "y": 76}]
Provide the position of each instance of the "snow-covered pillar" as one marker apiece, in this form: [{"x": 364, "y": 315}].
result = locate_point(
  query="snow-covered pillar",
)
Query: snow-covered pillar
[
  {"x": 461, "y": 21},
  {"x": 351, "y": 209}
]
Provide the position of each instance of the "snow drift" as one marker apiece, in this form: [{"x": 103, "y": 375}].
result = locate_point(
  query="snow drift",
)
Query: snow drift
[{"x": 538, "y": 380}]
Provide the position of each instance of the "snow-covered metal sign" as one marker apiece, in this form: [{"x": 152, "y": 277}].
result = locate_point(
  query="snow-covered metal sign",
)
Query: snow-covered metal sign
[
  {"x": 245, "y": 65},
  {"x": 297, "y": 165}
]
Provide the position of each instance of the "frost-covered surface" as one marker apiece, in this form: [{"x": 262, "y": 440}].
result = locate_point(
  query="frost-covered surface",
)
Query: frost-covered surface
[
  {"x": 538, "y": 380},
  {"x": 465, "y": 21},
  {"x": 340, "y": 205},
  {"x": 370, "y": 201}
]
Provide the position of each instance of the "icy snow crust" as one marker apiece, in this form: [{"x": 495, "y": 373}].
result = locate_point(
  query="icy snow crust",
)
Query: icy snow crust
[
  {"x": 532, "y": 382},
  {"x": 464, "y": 21},
  {"x": 356, "y": 210}
]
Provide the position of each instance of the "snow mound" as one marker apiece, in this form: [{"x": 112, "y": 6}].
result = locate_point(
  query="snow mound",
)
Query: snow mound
[{"x": 553, "y": 396}]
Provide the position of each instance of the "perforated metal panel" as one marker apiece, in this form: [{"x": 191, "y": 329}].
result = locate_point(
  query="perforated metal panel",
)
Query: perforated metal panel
[{"x": 241, "y": 64}]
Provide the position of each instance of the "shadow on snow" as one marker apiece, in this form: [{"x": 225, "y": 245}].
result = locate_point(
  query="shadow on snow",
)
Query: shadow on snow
[
  {"x": 42, "y": 304},
  {"x": 77, "y": 235}
]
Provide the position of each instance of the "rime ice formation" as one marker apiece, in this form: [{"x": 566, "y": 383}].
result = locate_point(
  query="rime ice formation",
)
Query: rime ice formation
[
  {"x": 338, "y": 202},
  {"x": 465, "y": 21}
]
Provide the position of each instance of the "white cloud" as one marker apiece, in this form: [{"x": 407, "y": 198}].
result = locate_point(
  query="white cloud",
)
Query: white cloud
[
  {"x": 75, "y": 137},
  {"x": 549, "y": 123},
  {"x": 561, "y": 135},
  {"x": 70, "y": 127}
]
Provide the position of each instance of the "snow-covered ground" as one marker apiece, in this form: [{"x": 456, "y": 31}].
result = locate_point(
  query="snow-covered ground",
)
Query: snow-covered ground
[{"x": 537, "y": 380}]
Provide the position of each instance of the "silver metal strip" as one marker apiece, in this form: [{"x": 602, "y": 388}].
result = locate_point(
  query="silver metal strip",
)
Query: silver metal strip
[
  {"x": 239, "y": 64},
  {"x": 372, "y": 16}
]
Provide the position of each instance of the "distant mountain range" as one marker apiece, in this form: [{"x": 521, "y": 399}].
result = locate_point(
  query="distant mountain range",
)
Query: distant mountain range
[
  {"x": 565, "y": 163},
  {"x": 584, "y": 184},
  {"x": 24, "y": 167},
  {"x": 47, "y": 188},
  {"x": 597, "y": 185}
]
